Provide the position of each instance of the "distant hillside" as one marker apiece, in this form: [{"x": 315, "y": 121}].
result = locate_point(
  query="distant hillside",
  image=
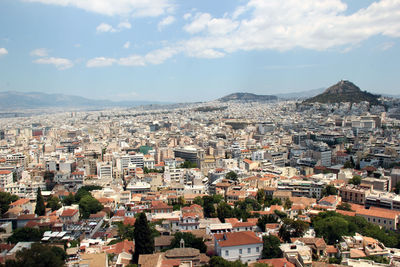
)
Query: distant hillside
[
  {"x": 301, "y": 94},
  {"x": 32, "y": 100},
  {"x": 247, "y": 97},
  {"x": 344, "y": 91}
]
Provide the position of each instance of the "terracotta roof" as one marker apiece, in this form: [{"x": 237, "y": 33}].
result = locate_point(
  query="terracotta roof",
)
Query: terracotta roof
[
  {"x": 356, "y": 253},
  {"x": 21, "y": 201},
  {"x": 129, "y": 220},
  {"x": 279, "y": 262},
  {"x": 163, "y": 240},
  {"x": 68, "y": 213},
  {"x": 182, "y": 252},
  {"x": 331, "y": 249},
  {"x": 237, "y": 239},
  {"x": 123, "y": 246},
  {"x": 377, "y": 212},
  {"x": 4, "y": 172}
]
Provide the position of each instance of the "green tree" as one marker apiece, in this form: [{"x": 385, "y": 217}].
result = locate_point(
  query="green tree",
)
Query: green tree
[
  {"x": 218, "y": 261},
  {"x": 288, "y": 204},
  {"x": 191, "y": 241},
  {"x": 198, "y": 201},
  {"x": 269, "y": 201},
  {"x": 126, "y": 231},
  {"x": 332, "y": 229},
  {"x": 344, "y": 206},
  {"x": 231, "y": 176},
  {"x": 53, "y": 203},
  {"x": 39, "y": 255},
  {"x": 188, "y": 165},
  {"x": 89, "y": 205},
  {"x": 260, "y": 196},
  {"x": 5, "y": 200},
  {"x": 397, "y": 188},
  {"x": 292, "y": 228},
  {"x": 271, "y": 247},
  {"x": 356, "y": 180},
  {"x": 224, "y": 210},
  {"x": 40, "y": 209},
  {"x": 208, "y": 207},
  {"x": 25, "y": 234},
  {"x": 69, "y": 200},
  {"x": 263, "y": 220},
  {"x": 329, "y": 190},
  {"x": 144, "y": 242}
]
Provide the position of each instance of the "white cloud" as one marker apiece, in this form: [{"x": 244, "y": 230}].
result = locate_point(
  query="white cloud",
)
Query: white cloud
[
  {"x": 152, "y": 58},
  {"x": 124, "y": 25},
  {"x": 132, "y": 60},
  {"x": 40, "y": 52},
  {"x": 198, "y": 24},
  {"x": 165, "y": 22},
  {"x": 387, "y": 46},
  {"x": 311, "y": 24},
  {"x": 104, "y": 27},
  {"x": 187, "y": 16},
  {"x": 59, "y": 63},
  {"x": 127, "y": 45},
  {"x": 3, "y": 51},
  {"x": 280, "y": 25},
  {"x": 159, "y": 56},
  {"x": 100, "y": 62},
  {"x": 137, "y": 8}
]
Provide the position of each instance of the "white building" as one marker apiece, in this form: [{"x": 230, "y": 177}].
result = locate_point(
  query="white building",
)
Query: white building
[
  {"x": 244, "y": 246},
  {"x": 6, "y": 178}
]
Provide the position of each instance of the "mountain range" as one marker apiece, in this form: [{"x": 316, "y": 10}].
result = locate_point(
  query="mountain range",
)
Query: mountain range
[{"x": 31, "y": 100}]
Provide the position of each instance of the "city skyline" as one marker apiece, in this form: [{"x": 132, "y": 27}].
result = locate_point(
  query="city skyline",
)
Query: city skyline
[{"x": 165, "y": 50}]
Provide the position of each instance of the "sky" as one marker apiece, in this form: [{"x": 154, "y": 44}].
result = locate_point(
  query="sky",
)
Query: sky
[{"x": 185, "y": 51}]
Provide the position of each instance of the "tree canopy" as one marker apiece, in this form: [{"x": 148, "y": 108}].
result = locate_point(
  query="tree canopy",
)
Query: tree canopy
[
  {"x": 144, "y": 241},
  {"x": 329, "y": 190},
  {"x": 53, "y": 203},
  {"x": 25, "y": 234},
  {"x": 356, "y": 180},
  {"x": 271, "y": 247},
  {"x": 89, "y": 205},
  {"x": 39, "y": 255},
  {"x": 40, "y": 209},
  {"x": 218, "y": 261},
  {"x": 332, "y": 226},
  {"x": 263, "y": 220},
  {"x": 191, "y": 241},
  {"x": 5, "y": 200},
  {"x": 231, "y": 176}
]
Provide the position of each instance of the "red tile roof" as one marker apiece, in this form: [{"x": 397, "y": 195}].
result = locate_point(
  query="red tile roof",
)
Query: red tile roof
[
  {"x": 68, "y": 213},
  {"x": 237, "y": 239},
  {"x": 279, "y": 262}
]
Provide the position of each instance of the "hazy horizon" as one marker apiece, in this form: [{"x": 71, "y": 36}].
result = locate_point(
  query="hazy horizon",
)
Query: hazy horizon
[{"x": 187, "y": 51}]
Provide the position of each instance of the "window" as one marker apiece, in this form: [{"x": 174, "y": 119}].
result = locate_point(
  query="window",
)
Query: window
[
  {"x": 240, "y": 251},
  {"x": 226, "y": 252},
  {"x": 257, "y": 249},
  {"x": 248, "y": 250}
]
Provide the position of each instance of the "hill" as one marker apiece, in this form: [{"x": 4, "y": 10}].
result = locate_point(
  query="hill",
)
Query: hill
[
  {"x": 247, "y": 97},
  {"x": 32, "y": 100},
  {"x": 344, "y": 91}
]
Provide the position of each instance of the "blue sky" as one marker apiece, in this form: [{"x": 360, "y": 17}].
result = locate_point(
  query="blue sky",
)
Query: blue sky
[{"x": 168, "y": 50}]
